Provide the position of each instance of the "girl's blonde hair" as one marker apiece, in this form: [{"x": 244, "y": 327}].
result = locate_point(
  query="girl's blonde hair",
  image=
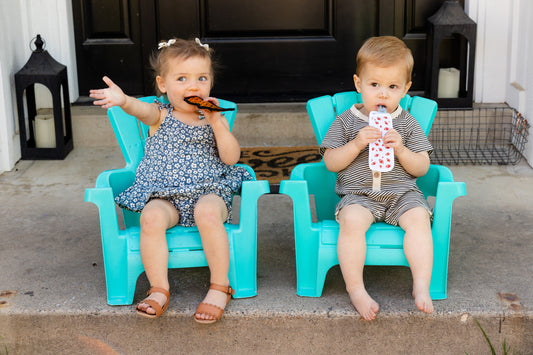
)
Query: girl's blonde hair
[
  {"x": 181, "y": 49},
  {"x": 385, "y": 51}
]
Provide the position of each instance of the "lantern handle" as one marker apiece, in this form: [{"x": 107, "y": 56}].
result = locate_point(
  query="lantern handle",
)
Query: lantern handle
[{"x": 40, "y": 44}]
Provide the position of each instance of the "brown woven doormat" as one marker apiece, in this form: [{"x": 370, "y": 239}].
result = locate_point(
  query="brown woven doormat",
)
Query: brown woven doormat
[{"x": 276, "y": 163}]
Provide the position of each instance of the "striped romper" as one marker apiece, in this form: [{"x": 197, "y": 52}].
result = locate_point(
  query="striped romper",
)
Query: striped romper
[{"x": 399, "y": 192}]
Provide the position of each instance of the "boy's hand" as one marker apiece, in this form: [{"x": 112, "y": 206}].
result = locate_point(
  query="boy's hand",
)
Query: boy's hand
[
  {"x": 366, "y": 136},
  {"x": 392, "y": 139},
  {"x": 112, "y": 96}
]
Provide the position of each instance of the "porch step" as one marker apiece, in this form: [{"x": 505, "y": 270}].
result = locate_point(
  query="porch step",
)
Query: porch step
[
  {"x": 53, "y": 296},
  {"x": 256, "y": 125}
]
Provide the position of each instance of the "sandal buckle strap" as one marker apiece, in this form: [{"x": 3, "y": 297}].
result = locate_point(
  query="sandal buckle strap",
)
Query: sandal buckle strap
[{"x": 226, "y": 289}]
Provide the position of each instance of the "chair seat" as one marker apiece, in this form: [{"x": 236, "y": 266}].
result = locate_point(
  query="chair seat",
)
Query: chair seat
[
  {"x": 379, "y": 234},
  {"x": 178, "y": 238}
]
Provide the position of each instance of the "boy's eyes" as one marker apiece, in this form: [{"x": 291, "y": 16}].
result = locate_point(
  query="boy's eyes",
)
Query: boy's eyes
[{"x": 392, "y": 86}]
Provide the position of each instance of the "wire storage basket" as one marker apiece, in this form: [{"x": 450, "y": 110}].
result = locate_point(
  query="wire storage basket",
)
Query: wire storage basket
[{"x": 483, "y": 135}]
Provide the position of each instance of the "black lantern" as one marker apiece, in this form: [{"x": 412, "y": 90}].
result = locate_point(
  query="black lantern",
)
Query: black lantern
[
  {"x": 43, "y": 136},
  {"x": 451, "y": 87}
]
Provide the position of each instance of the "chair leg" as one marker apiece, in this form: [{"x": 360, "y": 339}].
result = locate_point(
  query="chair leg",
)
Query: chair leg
[
  {"x": 243, "y": 265},
  {"x": 439, "y": 275},
  {"x": 310, "y": 284},
  {"x": 121, "y": 280}
]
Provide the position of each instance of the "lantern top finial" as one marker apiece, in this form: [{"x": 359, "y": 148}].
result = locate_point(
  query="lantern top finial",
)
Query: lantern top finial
[{"x": 39, "y": 44}]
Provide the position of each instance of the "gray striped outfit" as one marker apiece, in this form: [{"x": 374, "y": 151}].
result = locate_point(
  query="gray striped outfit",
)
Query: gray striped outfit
[{"x": 399, "y": 192}]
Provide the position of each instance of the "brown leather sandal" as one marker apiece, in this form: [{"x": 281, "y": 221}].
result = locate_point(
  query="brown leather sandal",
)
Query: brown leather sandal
[
  {"x": 211, "y": 310},
  {"x": 153, "y": 303}
]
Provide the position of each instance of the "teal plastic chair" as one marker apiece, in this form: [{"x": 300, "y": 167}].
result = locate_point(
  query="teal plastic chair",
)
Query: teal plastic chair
[
  {"x": 122, "y": 258},
  {"x": 316, "y": 242}
]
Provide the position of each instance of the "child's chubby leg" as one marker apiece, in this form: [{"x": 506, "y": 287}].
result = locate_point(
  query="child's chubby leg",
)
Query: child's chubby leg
[
  {"x": 418, "y": 247},
  {"x": 210, "y": 213},
  {"x": 354, "y": 221},
  {"x": 157, "y": 216}
]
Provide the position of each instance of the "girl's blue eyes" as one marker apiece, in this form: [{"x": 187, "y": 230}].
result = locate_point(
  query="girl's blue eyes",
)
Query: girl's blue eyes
[{"x": 183, "y": 79}]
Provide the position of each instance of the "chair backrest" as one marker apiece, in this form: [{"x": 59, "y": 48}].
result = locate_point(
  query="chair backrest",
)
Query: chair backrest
[
  {"x": 131, "y": 133},
  {"x": 323, "y": 110}
]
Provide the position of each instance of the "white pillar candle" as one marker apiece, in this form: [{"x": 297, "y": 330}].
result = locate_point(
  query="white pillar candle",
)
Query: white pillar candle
[
  {"x": 448, "y": 83},
  {"x": 45, "y": 136}
]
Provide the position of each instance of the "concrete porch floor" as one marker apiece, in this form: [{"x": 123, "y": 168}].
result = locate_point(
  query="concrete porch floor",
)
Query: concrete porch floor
[{"x": 52, "y": 286}]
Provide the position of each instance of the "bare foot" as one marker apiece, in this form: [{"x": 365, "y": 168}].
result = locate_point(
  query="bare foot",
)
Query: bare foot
[
  {"x": 363, "y": 303},
  {"x": 156, "y": 296},
  {"x": 423, "y": 300},
  {"x": 216, "y": 298}
]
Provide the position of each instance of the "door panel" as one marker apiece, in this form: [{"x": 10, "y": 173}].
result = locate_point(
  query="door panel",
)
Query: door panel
[
  {"x": 256, "y": 18},
  {"x": 276, "y": 50},
  {"x": 108, "y": 43}
]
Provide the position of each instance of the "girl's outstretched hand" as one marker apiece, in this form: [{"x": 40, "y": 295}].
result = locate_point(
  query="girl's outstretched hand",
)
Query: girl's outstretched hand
[{"x": 109, "y": 97}]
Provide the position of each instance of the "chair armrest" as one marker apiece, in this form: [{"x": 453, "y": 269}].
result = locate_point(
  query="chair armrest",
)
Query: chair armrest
[
  {"x": 103, "y": 198},
  {"x": 436, "y": 174},
  {"x": 117, "y": 179},
  {"x": 447, "y": 192},
  {"x": 440, "y": 181},
  {"x": 298, "y": 192},
  {"x": 320, "y": 184},
  {"x": 108, "y": 185},
  {"x": 250, "y": 193},
  {"x": 248, "y": 168}
]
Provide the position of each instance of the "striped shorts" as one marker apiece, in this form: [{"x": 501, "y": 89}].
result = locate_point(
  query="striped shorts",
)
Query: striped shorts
[{"x": 387, "y": 209}]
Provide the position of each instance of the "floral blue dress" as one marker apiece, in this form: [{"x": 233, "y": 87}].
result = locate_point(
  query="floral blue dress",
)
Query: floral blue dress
[{"x": 181, "y": 164}]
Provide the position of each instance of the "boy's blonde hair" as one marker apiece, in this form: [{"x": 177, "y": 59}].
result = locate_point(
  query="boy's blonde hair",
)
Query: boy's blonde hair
[
  {"x": 384, "y": 51},
  {"x": 178, "y": 48}
]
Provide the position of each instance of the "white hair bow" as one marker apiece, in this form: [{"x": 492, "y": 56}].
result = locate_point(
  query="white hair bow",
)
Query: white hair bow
[
  {"x": 166, "y": 44},
  {"x": 206, "y": 46}
]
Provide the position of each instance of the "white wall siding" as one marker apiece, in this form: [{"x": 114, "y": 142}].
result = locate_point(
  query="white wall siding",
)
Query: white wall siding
[{"x": 20, "y": 21}]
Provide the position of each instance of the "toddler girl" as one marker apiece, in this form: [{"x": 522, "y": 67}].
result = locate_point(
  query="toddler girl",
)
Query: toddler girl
[{"x": 186, "y": 176}]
